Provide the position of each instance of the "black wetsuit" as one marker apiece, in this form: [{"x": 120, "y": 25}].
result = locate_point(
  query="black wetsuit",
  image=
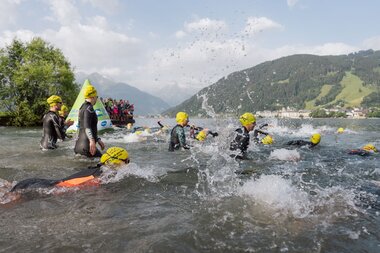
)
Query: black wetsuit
[
  {"x": 46, "y": 183},
  {"x": 240, "y": 142},
  {"x": 52, "y": 131},
  {"x": 177, "y": 138},
  {"x": 63, "y": 127},
  {"x": 88, "y": 121},
  {"x": 360, "y": 152},
  {"x": 301, "y": 143}
]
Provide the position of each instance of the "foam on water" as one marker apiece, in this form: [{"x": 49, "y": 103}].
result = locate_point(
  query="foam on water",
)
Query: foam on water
[
  {"x": 278, "y": 194},
  {"x": 149, "y": 173},
  {"x": 285, "y": 155},
  {"x": 305, "y": 130}
]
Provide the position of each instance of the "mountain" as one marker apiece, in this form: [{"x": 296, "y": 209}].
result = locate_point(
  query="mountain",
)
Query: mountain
[
  {"x": 297, "y": 81},
  {"x": 144, "y": 103},
  {"x": 174, "y": 94}
]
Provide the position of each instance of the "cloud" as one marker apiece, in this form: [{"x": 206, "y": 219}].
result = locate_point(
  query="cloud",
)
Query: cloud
[
  {"x": 292, "y": 3},
  {"x": 205, "y": 24},
  {"x": 372, "y": 43},
  {"x": 255, "y": 25},
  {"x": 180, "y": 34},
  {"x": 108, "y": 6},
  {"x": 92, "y": 48},
  {"x": 8, "y": 36},
  {"x": 64, "y": 11},
  {"x": 9, "y": 12}
]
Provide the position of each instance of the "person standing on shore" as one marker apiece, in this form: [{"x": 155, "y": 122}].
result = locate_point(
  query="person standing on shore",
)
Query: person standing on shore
[{"x": 88, "y": 121}]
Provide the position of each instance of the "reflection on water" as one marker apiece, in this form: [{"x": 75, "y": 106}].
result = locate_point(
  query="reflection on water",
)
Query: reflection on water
[{"x": 284, "y": 199}]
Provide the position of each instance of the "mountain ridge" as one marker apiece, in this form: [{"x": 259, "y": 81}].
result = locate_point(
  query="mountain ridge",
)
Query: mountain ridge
[
  {"x": 145, "y": 103},
  {"x": 299, "y": 81}
]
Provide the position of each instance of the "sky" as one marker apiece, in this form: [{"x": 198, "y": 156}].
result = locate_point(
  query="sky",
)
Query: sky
[{"x": 159, "y": 44}]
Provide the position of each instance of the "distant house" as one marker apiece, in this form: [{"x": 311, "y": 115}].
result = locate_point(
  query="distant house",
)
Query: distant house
[
  {"x": 358, "y": 113},
  {"x": 284, "y": 113}
]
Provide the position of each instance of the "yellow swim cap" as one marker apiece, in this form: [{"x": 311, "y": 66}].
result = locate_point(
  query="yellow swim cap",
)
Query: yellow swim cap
[
  {"x": 247, "y": 118},
  {"x": 181, "y": 117},
  {"x": 53, "y": 100},
  {"x": 315, "y": 139},
  {"x": 201, "y": 136},
  {"x": 340, "y": 130},
  {"x": 63, "y": 110},
  {"x": 90, "y": 92},
  {"x": 370, "y": 147},
  {"x": 114, "y": 156},
  {"x": 267, "y": 140}
]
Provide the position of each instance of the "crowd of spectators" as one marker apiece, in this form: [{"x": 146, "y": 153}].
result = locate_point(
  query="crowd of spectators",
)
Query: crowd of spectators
[{"x": 119, "y": 110}]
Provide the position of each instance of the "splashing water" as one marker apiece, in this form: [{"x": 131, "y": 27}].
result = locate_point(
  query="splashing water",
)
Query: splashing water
[
  {"x": 278, "y": 194},
  {"x": 150, "y": 173},
  {"x": 285, "y": 155},
  {"x": 207, "y": 108}
]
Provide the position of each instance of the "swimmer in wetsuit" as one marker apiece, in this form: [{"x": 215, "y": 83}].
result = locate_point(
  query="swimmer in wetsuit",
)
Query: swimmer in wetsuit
[
  {"x": 177, "y": 135},
  {"x": 52, "y": 126},
  {"x": 88, "y": 121},
  {"x": 367, "y": 150},
  {"x": 266, "y": 140},
  {"x": 62, "y": 120},
  {"x": 241, "y": 140},
  {"x": 200, "y": 133},
  {"x": 113, "y": 158},
  {"x": 314, "y": 141}
]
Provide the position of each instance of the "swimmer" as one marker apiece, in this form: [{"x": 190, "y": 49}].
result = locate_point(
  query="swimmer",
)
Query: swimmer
[
  {"x": 163, "y": 128},
  {"x": 367, "y": 150},
  {"x": 52, "y": 126},
  {"x": 177, "y": 135},
  {"x": 112, "y": 159},
  {"x": 266, "y": 140},
  {"x": 62, "y": 120},
  {"x": 88, "y": 121},
  {"x": 314, "y": 141},
  {"x": 241, "y": 139},
  {"x": 340, "y": 130},
  {"x": 200, "y": 133}
]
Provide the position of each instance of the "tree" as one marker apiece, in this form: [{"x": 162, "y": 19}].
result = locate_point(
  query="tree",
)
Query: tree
[
  {"x": 29, "y": 74},
  {"x": 319, "y": 113}
]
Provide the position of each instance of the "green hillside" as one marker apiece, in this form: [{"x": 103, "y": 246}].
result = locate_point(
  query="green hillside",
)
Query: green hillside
[
  {"x": 353, "y": 90},
  {"x": 298, "y": 81}
]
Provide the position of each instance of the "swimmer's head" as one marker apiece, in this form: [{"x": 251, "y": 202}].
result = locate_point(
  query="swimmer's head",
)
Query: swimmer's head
[
  {"x": 115, "y": 156},
  {"x": 64, "y": 110},
  {"x": 182, "y": 117},
  {"x": 201, "y": 136},
  {"x": 54, "y": 100},
  {"x": 247, "y": 119},
  {"x": 315, "y": 139},
  {"x": 90, "y": 92},
  {"x": 267, "y": 140},
  {"x": 370, "y": 147},
  {"x": 340, "y": 130}
]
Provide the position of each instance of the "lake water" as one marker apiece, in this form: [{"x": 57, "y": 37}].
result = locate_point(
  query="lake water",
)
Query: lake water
[{"x": 284, "y": 199}]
